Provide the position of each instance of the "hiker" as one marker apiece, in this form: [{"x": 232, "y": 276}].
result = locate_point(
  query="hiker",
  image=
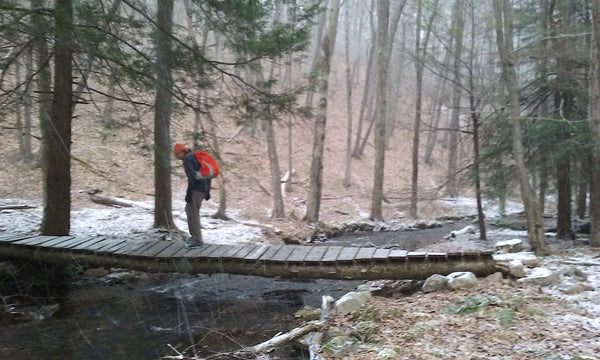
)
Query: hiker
[{"x": 197, "y": 190}]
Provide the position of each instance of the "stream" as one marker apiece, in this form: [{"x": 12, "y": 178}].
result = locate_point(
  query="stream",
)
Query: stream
[{"x": 136, "y": 317}]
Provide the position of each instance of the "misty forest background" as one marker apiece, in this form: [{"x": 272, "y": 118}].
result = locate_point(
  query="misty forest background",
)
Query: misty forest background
[{"x": 502, "y": 97}]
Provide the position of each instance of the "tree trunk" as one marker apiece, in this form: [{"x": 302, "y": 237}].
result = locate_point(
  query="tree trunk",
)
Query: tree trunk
[
  {"x": 421, "y": 52},
  {"x": 457, "y": 34},
  {"x": 348, "y": 171},
  {"x": 582, "y": 188},
  {"x": 437, "y": 111},
  {"x": 57, "y": 136},
  {"x": 313, "y": 77},
  {"x": 383, "y": 13},
  {"x": 393, "y": 86},
  {"x": 278, "y": 209},
  {"x": 475, "y": 122},
  {"x": 26, "y": 154},
  {"x": 564, "y": 109},
  {"x": 417, "y": 122},
  {"x": 564, "y": 228},
  {"x": 504, "y": 33},
  {"x": 367, "y": 97},
  {"x": 316, "y": 169},
  {"x": 163, "y": 214},
  {"x": 594, "y": 122}
]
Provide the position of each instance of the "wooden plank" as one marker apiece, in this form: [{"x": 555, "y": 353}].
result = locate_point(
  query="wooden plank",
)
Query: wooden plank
[
  {"x": 139, "y": 251},
  {"x": 244, "y": 251},
  {"x": 35, "y": 240},
  {"x": 64, "y": 244},
  {"x": 71, "y": 244},
  {"x": 299, "y": 253},
  {"x": 398, "y": 254},
  {"x": 130, "y": 247},
  {"x": 315, "y": 254},
  {"x": 415, "y": 256},
  {"x": 183, "y": 250},
  {"x": 455, "y": 255},
  {"x": 233, "y": 250},
  {"x": 13, "y": 237},
  {"x": 157, "y": 248},
  {"x": 437, "y": 257},
  {"x": 207, "y": 250},
  {"x": 56, "y": 242},
  {"x": 381, "y": 254},
  {"x": 471, "y": 255},
  {"x": 119, "y": 244},
  {"x": 104, "y": 245},
  {"x": 90, "y": 242},
  {"x": 201, "y": 251},
  {"x": 348, "y": 254},
  {"x": 272, "y": 250},
  {"x": 256, "y": 253},
  {"x": 168, "y": 252},
  {"x": 194, "y": 252},
  {"x": 332, "y": 253},
  {"x": 219, "y": 252},
  {"x": 365, "y": 253},
  {"x": 283, "y": 253}
]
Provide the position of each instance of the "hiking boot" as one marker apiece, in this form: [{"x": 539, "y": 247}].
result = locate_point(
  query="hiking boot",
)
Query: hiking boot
[{"x": 190, "y": 244}]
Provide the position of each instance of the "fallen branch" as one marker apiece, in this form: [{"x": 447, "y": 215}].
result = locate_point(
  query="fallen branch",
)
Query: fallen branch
[
  {"x": 16, "y": 207},
  {"x": 118, "y": 202},
  {"x": 581, "y": 262}
]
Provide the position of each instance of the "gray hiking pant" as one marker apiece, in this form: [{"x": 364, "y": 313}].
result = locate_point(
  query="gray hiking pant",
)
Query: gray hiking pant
[{"x": 192, "y": 211}]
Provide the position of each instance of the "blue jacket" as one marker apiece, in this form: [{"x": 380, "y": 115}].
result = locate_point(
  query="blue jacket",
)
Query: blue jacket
[{"x": 191, "y": 166}]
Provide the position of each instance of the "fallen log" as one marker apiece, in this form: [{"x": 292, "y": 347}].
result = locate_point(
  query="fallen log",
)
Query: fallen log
[
  {"x": 16, "y": 207},
  {"x": 118, "y": 202}
]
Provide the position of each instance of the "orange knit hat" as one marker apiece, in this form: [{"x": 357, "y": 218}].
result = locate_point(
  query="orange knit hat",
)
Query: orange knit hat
[{"x": 178, "y": 148}]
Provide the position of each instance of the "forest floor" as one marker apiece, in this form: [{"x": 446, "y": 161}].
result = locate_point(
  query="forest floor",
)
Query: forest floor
[{"x": 510, "y": 320}]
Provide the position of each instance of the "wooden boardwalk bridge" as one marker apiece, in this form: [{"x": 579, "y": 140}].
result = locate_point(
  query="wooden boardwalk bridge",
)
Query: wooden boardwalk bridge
[{"x": 286, "y": 261}]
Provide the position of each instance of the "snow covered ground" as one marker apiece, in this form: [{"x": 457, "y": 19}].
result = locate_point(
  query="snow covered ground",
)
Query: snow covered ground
[{"x": 135, "y": 223}]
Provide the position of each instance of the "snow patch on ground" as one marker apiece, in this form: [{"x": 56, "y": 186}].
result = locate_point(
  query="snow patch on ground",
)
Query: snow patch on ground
[{"x": 134, "y": 223}]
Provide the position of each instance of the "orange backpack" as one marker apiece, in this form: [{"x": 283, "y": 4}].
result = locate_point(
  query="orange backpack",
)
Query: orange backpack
[{"x": 208, "y": 166}]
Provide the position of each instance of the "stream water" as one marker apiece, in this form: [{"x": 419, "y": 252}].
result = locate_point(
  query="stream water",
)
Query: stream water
[{"x": 137, "y": 319}]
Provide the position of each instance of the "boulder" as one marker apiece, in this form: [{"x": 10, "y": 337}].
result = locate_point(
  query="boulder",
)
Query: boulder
[
  {"x": 540, "y": 276},
  {"x": 387, "y": 354},
  {"x": 574, "y": 289},
  {"x": 575, "y": 272},
  {"x": 352, "y": 301},
  {"x": 509, "y": 246},
  {"x": 461, "y": 280},
  {"x": 495, "y": 277},
  {"x": 528, "y": 258},
  {"x": 435, "y": 282},
  {"x": 516, "y": 268}
]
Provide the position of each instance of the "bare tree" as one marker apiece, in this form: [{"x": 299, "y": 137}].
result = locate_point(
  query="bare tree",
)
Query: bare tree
[
  {"x": 475, "y": 122},
  {"x": 383, "y": 15},
  {"x": 420, "y": 53},
  {"x": 348, "y": 172},
  {"x": 457, "y": 33},
  {"x": 504, "y": 36},
  {"x": 56, "y": 134},
  {"x": 316, "y": 169},
  {"x": 594, "y": 121},
  {"x": 163, "y": 211}
]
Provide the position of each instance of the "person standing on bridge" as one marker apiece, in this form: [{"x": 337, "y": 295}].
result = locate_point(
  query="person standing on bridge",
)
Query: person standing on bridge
[{"x": 197, "y": 190}]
